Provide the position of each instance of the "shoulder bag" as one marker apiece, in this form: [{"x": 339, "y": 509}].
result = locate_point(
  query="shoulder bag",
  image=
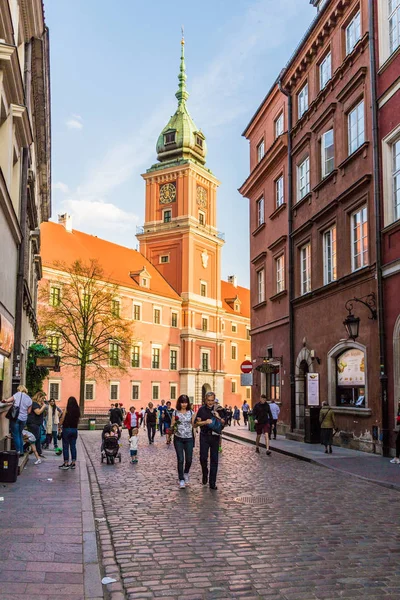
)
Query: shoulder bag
[{"x": 13, "y": 412}]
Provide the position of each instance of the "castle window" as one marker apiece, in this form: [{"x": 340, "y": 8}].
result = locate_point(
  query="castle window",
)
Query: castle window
[
  {"x": 164, "y": 258},
  {"x": 169, "y": 138},
  {"x": 167, "y": 216},
  {"x": 199, "y": 141},
  {"x": 202, "y": 218}
]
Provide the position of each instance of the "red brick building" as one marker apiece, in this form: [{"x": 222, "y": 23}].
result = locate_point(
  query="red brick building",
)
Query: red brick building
[{"x": 326, "y": 232}]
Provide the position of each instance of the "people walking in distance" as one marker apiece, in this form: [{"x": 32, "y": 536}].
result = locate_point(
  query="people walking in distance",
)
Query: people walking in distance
[
  {"x": 23, "y": 403},
  {"x": 132, "y": 420},
  {"x": 262, "y": 420},
  {"x": 123, "y": 411},
  {"x": 245, "y": 412},
  {"x": 150, "y": 421},
  {"x": 142, "y": 413},
  {"x": 229, "y": 415},
  {"x": 275, "y": 410},
  {"x": 182, "y": 424},
  {"x": 133, "y": 444},
  {"x": 54, "y": 413},
  {"x": 69, "y": 422},
  {"x": 236, "y": 416},
  {"x": 168, "y": 422},
  {"x": 211, "y": 423},
  {"x": 161, "y": 417},
  {"x": 35, "y": 419},
  {"x": 396, "y": 459},
  {"x": 328, "y": 424},
  {"x": 116, "y": 415}
]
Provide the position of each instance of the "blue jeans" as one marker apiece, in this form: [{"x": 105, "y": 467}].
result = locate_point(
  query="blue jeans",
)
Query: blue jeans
[
  {"x": 162, "y": 426},
  {"x": 16, "y": 428},
  {"x": 69, "y": 437},
  {"x": 184, "y": 453}
]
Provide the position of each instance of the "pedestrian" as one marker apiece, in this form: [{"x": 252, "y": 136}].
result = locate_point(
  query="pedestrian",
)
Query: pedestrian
[
  {"x": 245, "y": 411},
  {"x": 161, "y": 417},
  {"x": 116, "y": 416},
  {"x": 150, "y": 422},
  {"x": 30, "y": 442},
  {"x": 23, "y": 403},
  {"x": 236, "y": 416},
  {"x": 182, "y": 424},
  {"x": 262, "y": 420},
  {"x": 69, "y": 422},
  {"x": 275, "y": 410},
  {"x": 35, "y": 419},
  {"x": 396, "y": 459},
  {"x": 133, "y": 444},
  {"x": 328, "y": 424},
  {"x": 132, "y": 420},
  {"x": 142, "y": 413},
  {"x": 54, "y": 413},
  {"x": 211, "y": 424},
  {"x": 229, "y": 415},
  {"x": 123, "y": 411},
  {"x": 168, "y": 422}
]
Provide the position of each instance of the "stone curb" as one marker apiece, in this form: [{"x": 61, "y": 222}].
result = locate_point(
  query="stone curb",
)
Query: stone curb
[
  {"x": 385, "y": 484},
  {"x": 111, "y": 591}
]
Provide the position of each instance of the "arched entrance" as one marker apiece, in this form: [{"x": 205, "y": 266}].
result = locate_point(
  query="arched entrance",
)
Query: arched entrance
[
  {"x": 304, "y": 365},
  {"x": 205, "y": 388}
]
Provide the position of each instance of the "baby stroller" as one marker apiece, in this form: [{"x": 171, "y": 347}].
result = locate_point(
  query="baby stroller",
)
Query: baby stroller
[{"x": 110, "y": 446}]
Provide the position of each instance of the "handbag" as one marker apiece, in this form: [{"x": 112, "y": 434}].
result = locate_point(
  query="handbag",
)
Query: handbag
[
  {"x": 215, "y": 425},
  {"x": 13, "y": 411}
]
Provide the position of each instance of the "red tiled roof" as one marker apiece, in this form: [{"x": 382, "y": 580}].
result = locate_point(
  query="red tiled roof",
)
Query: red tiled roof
[
  {"x": 229, "y": 291},
  {"x": 58, "y": 245}
]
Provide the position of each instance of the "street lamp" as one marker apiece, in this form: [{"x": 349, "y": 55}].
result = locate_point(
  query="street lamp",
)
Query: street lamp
[{"x": 352, "y": 323}]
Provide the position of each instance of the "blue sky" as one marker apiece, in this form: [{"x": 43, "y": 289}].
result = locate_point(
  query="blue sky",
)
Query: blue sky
[{"x": 114, "y": 68}]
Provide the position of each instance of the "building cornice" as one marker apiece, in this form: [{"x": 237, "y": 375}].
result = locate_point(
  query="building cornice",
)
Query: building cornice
[{"x": 274, "y": 152}]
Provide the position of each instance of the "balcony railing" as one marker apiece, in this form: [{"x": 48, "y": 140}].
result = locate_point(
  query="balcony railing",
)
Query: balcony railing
[{"x": 175, "y": 223}]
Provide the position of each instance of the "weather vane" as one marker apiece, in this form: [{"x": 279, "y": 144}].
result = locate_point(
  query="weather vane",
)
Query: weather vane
[{"x": 183, "y": 33}]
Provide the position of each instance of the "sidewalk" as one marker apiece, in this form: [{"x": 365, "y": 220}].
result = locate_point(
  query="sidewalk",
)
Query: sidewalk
[
  {"x": 371, "y": 467},
  {"x": 47, "y": 534}
]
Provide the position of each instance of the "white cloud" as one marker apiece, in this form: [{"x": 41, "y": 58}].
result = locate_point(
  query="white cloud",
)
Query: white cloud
[
  {"x": 61, "y": 186},
  {"x": 93, "y": 216},
  {"x": 75, "y": 122}
]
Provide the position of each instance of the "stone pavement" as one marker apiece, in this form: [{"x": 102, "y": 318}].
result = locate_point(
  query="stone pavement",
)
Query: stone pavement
[
  {"x": 48, "y": 545},
  {"x": 313, "y": 534},
  {"x": 373, "y": 467}
]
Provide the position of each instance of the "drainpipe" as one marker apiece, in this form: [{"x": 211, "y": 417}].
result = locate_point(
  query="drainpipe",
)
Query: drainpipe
[
  {"x": 377, "y": 206},
  {"x": 290, "y": 259},
  {"x": 19, "y": 292}
]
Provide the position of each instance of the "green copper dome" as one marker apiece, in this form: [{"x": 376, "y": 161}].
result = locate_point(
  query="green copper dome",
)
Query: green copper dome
[{"x": 180, "y": 138}]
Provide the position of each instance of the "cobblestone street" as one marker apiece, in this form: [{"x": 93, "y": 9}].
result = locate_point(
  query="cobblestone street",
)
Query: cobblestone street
[{"x": 319, "y": 535}]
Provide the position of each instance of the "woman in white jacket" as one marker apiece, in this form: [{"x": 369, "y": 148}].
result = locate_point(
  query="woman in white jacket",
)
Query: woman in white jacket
[{"x": 53, "y": 418}]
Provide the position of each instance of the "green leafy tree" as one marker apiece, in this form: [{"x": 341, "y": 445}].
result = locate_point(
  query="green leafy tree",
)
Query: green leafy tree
[
  {"x": 84, "y": 320},
  {"x": 35, "y": 375}
]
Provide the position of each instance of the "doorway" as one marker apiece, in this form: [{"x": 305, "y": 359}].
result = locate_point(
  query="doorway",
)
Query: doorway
[
  {"x": 205, "y": 388},
  {"x": 304, "y": 365}
]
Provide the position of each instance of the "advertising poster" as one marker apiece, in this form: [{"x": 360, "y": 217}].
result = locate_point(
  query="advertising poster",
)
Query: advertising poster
[
  {"x": 351, "y": 368},
  {"x": 313, "y": 389}
]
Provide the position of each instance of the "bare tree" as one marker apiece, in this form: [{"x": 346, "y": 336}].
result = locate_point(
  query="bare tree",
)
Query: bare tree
[{"x": 83, "y": 321}]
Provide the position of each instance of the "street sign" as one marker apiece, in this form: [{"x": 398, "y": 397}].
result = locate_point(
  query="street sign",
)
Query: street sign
[
  {"x": 246, "y": 366},
  {"x": 246, "y": 379}
]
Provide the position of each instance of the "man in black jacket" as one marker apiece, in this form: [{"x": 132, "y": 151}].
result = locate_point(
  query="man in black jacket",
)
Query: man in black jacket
[
  {"x": 209, "y": 440},
  {"x": 262, "y": 420}
]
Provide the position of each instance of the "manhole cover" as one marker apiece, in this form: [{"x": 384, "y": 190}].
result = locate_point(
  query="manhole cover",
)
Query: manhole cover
[{"x": 252, "y": 499}]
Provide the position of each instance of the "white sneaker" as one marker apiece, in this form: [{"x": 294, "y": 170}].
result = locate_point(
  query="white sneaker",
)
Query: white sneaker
[
  {"x": 37, "y": 462},
  {"x": 395, "y": 461},
  {"x": 187, "y": 479},
  {"x": 182, "y": 484}
]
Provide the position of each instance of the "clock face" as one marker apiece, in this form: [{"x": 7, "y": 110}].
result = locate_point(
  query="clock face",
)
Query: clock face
[
  {"x": 167, "y": 193},
  {"x": 201, "y": 196}
]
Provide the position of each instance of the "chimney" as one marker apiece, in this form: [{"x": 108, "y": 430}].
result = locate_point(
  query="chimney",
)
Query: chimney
[
  {"x": 66, "y": 221},
  {"x": 232, "y": 279}
]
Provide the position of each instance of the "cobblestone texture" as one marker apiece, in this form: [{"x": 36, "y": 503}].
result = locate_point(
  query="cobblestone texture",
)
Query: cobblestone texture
[{"x": 321, "y": 535}]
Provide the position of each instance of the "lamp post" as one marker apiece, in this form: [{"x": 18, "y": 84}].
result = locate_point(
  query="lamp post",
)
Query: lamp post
[{"x": 352, "y": 323}]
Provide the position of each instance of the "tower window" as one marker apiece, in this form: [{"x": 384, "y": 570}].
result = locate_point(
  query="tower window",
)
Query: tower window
[
  {"x": 202, "y": 218},
  {"x": 203, "y": 289},
  {"x": 199, "y": 141},
  {"x": 167, "y": 216},
  {"x": 169, "y": 138},
  {"x": 164, "y": 258}
]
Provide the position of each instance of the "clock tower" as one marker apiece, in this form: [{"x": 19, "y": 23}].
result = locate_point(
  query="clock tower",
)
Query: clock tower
[{"x": 180, "y": 239}]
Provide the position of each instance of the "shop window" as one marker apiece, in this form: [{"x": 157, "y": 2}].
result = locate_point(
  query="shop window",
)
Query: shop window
[{"x": 350, "y": 378}]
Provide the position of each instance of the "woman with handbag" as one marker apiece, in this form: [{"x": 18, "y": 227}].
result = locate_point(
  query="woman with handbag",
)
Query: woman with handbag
[
  {"x": 69, "y": 423},
  {"x": 182, "y": 424},
  {"x": 18, "y": 415},
  {"x": 328, "y": 424}
]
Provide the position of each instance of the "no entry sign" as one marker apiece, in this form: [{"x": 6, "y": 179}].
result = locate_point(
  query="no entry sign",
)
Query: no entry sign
[{"x": 246, "y": 366}]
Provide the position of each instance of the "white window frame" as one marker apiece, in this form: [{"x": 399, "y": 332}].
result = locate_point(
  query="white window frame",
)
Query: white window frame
[
  {"x": 325, "y": 70},
  {"x": 394, "y": 15},
  {"x": 261, "y": 285},
  {"x": 177, "y": 359},
  {"x": 174, "y": 312},
  {"x": 279, "y": 125},
  {"x": 204, "y": 319},
  {"x": 359, "y": 225},
  {"x": 116, "y": 384},
  {"x": 206, "y": 288},
  {"x": 260, "y": 150},
  {"x": 279, "y": 192},
  {"x": 234, "y": 350},
  {"x": 54, "y": 382},
  {"x": 305, "y": 269},
  {"x": 118, "y": 355},
  {"x": 302, "y": 100},
  {"x": 233, "y": 386},
  {"x": 52, "y": 296},
  {"x": 395, "y": 180},
  {"x": 327, "y": 161},
  {"x": 303, "y": 178},
  {"x": 353, "y": 33},
  {"x": 154, "y": 310},
  {"x": 155, "y": 384},
  {"x": 260, "y": 211},
  {"x": 389, "y": 175},
  {"x": 139, "y": 304},
  {"x": 202, "y": 218},
  {"x": 356, "y": 127},
  {"x": 138, "y": 385},
  {"x": 173, "y": 386},
  {"x": 159, "y": 348},
  {"x": 137, "y": 345},
  {"x": 93, "y": 384},
  {"x": 234, "y": 327},
  {"x": 164, "y": 212},
  {"x": 164, "y": 256},
  {"x": 330, "y": 254},
  {"x": 205, "y": 351},
  {"x": 280, "y": 273}
]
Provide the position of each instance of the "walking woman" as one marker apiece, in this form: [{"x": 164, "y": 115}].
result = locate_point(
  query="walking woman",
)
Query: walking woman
[
  {"x": 69, "y": 423},
  {"x": 24, "y": 403},
  {"x": 150, "y": 421},
  {"x": 183, "y": 421},
  {"x": 328, "y": 424},
  {"x": 36, "y": 418},
  {"x": 53, "y": 418},
  {"x": 236, "y": 416}
]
